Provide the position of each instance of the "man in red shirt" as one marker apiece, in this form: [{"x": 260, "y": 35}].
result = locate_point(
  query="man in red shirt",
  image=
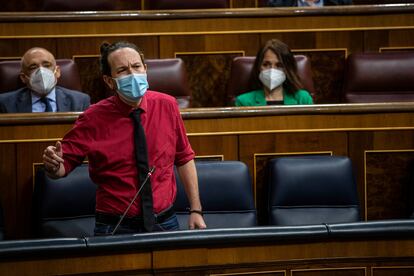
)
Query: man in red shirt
[{"x": 105, "y": 134}]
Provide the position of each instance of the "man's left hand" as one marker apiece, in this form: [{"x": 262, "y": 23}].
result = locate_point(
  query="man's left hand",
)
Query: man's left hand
[{"x": 196, "y": 221}]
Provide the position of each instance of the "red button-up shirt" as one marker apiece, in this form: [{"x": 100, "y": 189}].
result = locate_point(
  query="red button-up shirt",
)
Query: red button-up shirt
[{"x": 105, "y": 134}]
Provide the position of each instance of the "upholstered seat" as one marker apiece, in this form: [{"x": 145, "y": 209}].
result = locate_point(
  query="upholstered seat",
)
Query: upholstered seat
[
  {"x": 186, "y": 4},
  {"x": 64, "y": 207},
  {"x": 379, "y": 77},
  {"x": 169, "y": 76},
  {"x": 241, "y": 69},
  {"x": 226, "y": 195},
  {"x": 10, "y": 70},
  {"x": 311, "y": 190}
]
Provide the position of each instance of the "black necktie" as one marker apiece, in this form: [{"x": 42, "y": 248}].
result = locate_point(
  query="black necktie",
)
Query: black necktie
[
  {"x": 46, "y": 101},
  {"x": 141, "y": 156}
]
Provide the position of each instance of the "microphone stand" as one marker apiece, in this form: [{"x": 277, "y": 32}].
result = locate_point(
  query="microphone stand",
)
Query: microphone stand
[{"x": 151, "y": 171}]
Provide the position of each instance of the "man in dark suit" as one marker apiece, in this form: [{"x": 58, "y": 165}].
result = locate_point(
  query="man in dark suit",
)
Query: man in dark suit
[
  {"x": 295, "y": 3},
  {"x": 40, "y": 73}
]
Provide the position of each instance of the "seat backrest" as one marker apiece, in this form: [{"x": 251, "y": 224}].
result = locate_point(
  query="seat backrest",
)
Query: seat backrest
[
  {"x": 241, "y": 69},
  {"x": 311, "y": 190},
  {"x": 64, "y": 207},
  {"x": 379, "y": 77},
  {"x": 10, "y": 70},
  {"x": 169, "y": 76},
  {"x": 226, "y": 195},
  {"x": 185, "y": 4}
]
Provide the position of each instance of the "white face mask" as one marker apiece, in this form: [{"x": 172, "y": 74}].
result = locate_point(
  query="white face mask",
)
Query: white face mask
[
  {"x": 310, "y": 3},
  {"x": 42, "y": 81},
  {"x": 272, "y": 78}
]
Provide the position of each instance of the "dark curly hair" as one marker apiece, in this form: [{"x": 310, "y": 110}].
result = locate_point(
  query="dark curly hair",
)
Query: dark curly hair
[{"x": 107, "y": 48}]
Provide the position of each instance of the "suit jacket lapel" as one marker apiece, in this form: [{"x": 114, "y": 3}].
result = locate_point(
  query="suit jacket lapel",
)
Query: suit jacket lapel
[
  {"x": 24, "y": 101},
  {"x": 62, "y": 102}
]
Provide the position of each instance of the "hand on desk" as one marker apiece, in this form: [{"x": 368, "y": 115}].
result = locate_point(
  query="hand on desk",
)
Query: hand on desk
[{"x": 196, "y": 221}]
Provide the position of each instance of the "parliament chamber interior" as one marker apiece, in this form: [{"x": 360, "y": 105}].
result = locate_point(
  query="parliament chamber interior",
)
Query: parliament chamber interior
[{"x": 350, "y": 155}]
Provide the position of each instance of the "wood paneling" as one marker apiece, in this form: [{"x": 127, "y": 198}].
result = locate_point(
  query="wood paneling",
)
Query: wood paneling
[
  {"x": 27, "y": 155},
  {"x": 369, "y": 152},
  {"x": 8, "y": 184},
  {"x": 247, "y": 43},
  {"x": 81, "y": 46},
  {"x": 252, "y": 135},
  {"x": 328, "y": 86},
  {"x": 400, "y": 38},
  {"x": 327, "y": 36},
  {"x": 225, "y": 145},
  {"x": 209, "y": 74},
  {"x": 330, "y": 272},
  {"x": 382, "y": 168},
  {"x": 91, "y": 78},
  {"x": 17, "y": 47},
  {"x": 350, "y": 257},
  {"x": 117, "y": 264},
  {"x": 393, "y": 271}
]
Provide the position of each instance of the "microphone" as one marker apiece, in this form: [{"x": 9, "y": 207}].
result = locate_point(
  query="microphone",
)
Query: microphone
[{"x": 150, "y": 172}]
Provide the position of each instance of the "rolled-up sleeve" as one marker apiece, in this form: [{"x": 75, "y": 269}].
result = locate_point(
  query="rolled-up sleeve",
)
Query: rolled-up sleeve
[{"x": 184, "y": 151}]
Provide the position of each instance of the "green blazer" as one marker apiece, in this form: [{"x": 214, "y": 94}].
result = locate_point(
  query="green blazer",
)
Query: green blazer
[{"x": 257, "y": 98}]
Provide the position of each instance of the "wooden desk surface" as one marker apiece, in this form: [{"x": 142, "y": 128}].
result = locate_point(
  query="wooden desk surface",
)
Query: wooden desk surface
[{"x": 260, "y": 254}]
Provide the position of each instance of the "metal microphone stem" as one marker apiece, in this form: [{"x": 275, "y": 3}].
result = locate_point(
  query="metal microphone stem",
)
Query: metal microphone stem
[{"x": 151, "y": 171}]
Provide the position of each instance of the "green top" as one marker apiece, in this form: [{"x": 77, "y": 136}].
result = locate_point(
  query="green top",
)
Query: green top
[{"x": 257, "y": 98}]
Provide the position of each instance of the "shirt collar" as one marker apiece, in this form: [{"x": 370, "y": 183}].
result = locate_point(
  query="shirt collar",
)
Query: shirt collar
[
  {"x": 51, "y": 96},
  {"x": 126, "y": 109}
]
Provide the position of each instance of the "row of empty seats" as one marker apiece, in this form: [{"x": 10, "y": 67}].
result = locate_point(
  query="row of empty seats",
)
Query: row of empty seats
[
  {"x": 369, "y": 77},
  {"x": 302, "y": 191}
]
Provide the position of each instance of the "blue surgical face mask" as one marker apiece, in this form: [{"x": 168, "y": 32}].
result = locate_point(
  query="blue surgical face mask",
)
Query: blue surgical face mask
[{"x": 132, "y": 87}]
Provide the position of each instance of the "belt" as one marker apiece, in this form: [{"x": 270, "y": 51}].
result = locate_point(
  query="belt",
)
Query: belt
[{"x": 113, "y": 219}]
